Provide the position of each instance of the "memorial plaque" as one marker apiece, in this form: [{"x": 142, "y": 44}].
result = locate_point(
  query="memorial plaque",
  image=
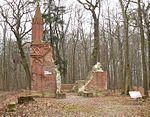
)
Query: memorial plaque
[{"x": 135, "y": 94}]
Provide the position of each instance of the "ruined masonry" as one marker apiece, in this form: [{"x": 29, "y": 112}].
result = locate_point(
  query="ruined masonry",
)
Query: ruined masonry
[
  {"x": 42, "y": 63},
  {"x": 96, "y": 80}
]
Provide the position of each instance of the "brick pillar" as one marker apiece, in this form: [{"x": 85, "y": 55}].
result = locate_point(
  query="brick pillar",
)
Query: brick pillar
[
  {"x": 37, "y": 27},
  {"x": 42, "y": 63}
]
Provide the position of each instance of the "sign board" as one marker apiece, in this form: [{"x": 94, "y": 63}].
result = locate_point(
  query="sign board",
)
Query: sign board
[
  {"x": 47, "y": 72},
  {"x": 135, "y": 94}
]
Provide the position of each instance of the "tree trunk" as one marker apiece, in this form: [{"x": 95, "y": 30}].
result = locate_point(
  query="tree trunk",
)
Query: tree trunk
[
  {"x": 127, "y": 71},
  {"x": 18, "y": 24},
  {"x": 24, "y": 62},
  {"x": 88, "y": 5},
  {"x": 147, "y": 24},
  {"x": 144, "y": 67},
  {"x": 73, "y": 76},
  {"x": 5, "y": 79},
  {"x": 95, "y": 52},
  {"x": 120, "y": 66}
]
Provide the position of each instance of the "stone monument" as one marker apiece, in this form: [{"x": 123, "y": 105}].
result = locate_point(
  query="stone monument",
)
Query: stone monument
[
  {"x": 96, "y": 80},
  {"x": 42, "y": 63}
]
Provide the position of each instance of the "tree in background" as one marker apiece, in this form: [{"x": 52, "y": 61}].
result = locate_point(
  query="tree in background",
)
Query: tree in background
[
  {"x": 18, "y": 19},
  {"x": 127, "y": 70},
  {"x": 55, "y": 33},
  {"x": 4, "y": 65},
  {"x": 145, "y": 11},
  {"x": 144, "y": 67},
  {"x": 72, "y": 39},
  {"x": 92, "y": 6}
]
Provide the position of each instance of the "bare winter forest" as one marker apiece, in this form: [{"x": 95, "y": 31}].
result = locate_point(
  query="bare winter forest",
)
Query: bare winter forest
[{"x": 115, "y": 33}]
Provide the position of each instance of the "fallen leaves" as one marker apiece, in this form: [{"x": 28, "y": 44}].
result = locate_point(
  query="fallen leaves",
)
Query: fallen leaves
[{"x": 77, "y": 106}]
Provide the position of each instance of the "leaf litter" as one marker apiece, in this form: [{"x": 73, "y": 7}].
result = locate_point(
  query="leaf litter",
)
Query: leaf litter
[{"x": 77, "y": 106}]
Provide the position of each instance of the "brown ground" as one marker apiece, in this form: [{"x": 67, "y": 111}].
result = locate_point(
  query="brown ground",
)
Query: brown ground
[{"x": 77, "y": 106}]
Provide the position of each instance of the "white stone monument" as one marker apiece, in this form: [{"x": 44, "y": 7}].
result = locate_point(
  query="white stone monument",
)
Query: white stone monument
[{"x": 97, "y": 67}]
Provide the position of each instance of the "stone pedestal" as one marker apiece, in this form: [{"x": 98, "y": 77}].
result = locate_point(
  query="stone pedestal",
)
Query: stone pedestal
[{"x": 98, "y": 82}]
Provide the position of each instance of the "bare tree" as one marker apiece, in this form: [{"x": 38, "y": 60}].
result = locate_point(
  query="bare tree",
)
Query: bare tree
[
  {"x": 127, "y": 71},
  {"x": 4, "y": 65},
  {"x": 112, "y": 53},
  {"x": 144, "y": 67},
  {"x": 18, "y": 20},
  {"x": 145, "y": 11},
  {"x": 92, "y": 6}
]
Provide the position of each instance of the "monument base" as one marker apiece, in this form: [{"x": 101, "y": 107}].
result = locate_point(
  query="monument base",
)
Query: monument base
[{"x": 45, "y": 93}]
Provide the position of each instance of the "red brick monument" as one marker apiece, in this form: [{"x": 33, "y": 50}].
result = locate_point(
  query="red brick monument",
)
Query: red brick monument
[
  {"x": 42, "y": 63},
  {"x": 96, "y": 80}
]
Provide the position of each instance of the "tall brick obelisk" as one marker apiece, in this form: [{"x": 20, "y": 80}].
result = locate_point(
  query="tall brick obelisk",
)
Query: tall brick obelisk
[{"x": 42, "y": 63}]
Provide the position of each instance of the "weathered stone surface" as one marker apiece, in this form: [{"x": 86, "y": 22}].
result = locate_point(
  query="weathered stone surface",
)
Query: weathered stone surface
[
  {"x": 42, "y": 63},
  {"x": 78, "y": 85},
  {"x": 60, "y": 95},
  {"x": 11, "y": 107},
  {"x": 97, "y": 67},
  {"x": 96, "y": 81},
  {"x": 87, "y": 94},
  {"x": 67, "y": 87}
]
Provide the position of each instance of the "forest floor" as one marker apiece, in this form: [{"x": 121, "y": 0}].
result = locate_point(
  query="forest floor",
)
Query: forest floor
[{"x": 77, "y": 106}]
